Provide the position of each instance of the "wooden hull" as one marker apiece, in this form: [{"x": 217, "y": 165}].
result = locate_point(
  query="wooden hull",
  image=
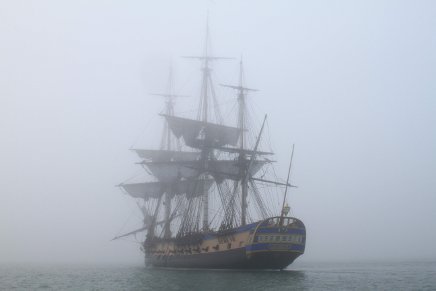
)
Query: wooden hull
[
  {"x": 231, "y": 259},
  {"x": 261, "y": 245}
]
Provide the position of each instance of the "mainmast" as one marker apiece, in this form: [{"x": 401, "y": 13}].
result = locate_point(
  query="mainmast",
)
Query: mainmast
[
  {"x": 206, "y": 77},
  {"x": 203, "y": 114},
  {"x": 204, "y": 98},
  {"x": 241, "y": 124},
  {"x": 244, "y": 182}
]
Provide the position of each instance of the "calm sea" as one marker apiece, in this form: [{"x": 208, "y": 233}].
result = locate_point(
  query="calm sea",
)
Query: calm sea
[{"x": 301, "y": 276}]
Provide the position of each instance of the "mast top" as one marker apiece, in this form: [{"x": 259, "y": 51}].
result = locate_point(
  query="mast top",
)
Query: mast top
[
  {"x": 240, "y": 87},
  {"x": 206, "y": 57}
]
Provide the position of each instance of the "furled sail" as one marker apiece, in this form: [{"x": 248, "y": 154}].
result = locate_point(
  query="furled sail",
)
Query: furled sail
[
  {"x": 166, "y": 155},
  {"x": 242, "y": 151},
  {"x": 231, "y": 169},
  {"x": 168, "y": 172},
  {"x": 191, "y": 187},
  {"x": 197, "y": 134}
]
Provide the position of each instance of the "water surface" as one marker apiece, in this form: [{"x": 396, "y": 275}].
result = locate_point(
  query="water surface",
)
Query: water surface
[{"x": 301, "y": 276}]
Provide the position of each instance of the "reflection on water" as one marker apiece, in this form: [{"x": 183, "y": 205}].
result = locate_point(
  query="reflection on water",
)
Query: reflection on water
[
  {"x": 173, "y": 279},
  {"x": 313, "y": 276}
]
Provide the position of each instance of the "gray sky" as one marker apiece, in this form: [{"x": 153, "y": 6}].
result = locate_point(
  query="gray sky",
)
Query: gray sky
[{"x": 351, "y": 83}]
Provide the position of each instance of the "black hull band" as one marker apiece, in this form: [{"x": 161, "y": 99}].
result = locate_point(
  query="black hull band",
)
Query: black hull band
[{"x": 230, "y": 259}]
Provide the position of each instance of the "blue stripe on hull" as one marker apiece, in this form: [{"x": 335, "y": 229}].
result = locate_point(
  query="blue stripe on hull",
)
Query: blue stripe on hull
[
  {"x": 273, "y": 247},
  {"x": 277, "y": 230}
]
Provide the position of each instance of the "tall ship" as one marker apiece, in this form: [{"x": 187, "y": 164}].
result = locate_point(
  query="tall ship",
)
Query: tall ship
[{"x": 209, "y": 198}]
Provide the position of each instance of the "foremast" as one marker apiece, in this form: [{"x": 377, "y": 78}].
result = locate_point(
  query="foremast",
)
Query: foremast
[
  {"x": 166, "y": 144},
  {"x": 166, "y": 188}
]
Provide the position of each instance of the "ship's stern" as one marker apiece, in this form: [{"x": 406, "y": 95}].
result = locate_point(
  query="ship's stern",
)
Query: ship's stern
[{"x": 276, "y": 243}]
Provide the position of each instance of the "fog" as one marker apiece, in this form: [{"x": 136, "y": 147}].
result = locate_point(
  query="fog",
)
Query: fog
[{"x": 350, "y": 83}]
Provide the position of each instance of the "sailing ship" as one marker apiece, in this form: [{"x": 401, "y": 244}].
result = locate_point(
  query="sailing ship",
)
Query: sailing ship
[{"x": 205, "y": 206}]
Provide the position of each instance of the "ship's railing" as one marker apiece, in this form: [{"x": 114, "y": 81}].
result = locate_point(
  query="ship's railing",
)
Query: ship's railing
[{"x": 282, "y": 222}]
